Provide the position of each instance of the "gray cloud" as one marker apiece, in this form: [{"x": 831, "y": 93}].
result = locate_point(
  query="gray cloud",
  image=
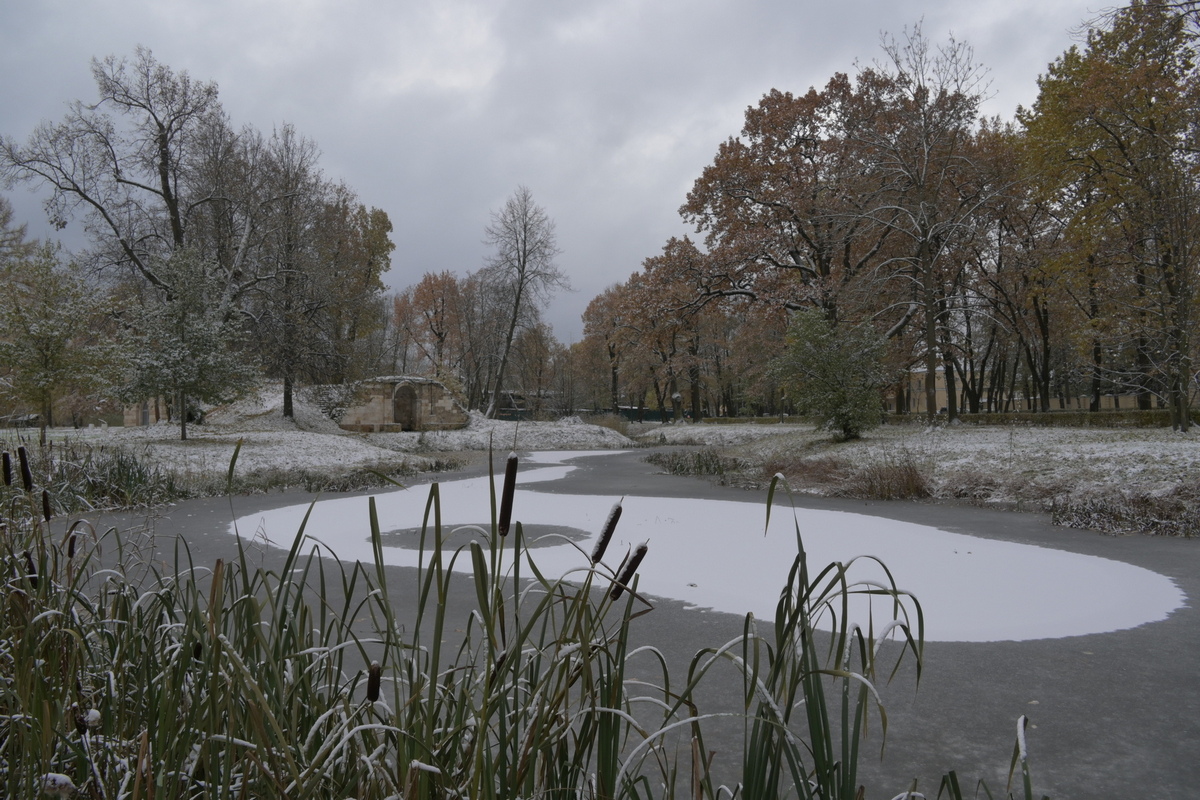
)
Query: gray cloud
[{"x": 435, "y": 112}]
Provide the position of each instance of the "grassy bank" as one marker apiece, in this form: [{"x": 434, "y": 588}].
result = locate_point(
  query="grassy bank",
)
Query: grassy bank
[
  {"x": 1128, "y": 480},
  {"x": 86, "y": 474}
]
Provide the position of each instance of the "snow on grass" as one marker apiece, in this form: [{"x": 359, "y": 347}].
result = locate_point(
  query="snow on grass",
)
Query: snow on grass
[
  {"x": 1002, "y": 464},
  {"x": 481, "y": 433},
  {"x": 209, "y": 454},
  {"x": 712, "y": 435},
  {"x": 263, "y": 411},
  {"x": 716, "y": 555},
  {"x": 313, "y": 443}
]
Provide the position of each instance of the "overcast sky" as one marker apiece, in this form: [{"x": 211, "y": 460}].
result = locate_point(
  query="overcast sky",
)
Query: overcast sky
[{"x": 436, "y": 111}]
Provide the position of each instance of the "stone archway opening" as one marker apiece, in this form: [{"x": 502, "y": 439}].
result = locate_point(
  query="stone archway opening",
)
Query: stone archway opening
[{"x": 404, "y": 407}]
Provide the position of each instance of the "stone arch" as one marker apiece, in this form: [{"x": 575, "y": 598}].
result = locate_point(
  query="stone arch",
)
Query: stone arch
[{"x": 405, "y": 410}]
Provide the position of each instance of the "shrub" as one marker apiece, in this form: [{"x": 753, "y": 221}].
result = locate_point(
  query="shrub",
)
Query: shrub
[
  {"x": 1176, "y": 513},
  {"x": 892, "y": 477},
  {"x": 81, "y": 476},
  {"x": 834, "y": 373},
  {"x": 708, "y": 461},
  {"x": 812, "y": 472},
  {"x": 334, "y": 398}
]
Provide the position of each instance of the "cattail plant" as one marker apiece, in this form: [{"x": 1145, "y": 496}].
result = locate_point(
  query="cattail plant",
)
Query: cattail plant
[
  {"x": 506, "y": 494},
  {"x": 373, "y": 679},
  {"x": 31, "y": 570},
  {"x": 7, "y": 468},
  {"x": 610, "y": 525},
  {"x": 629, "y": 570},
  {"x": 46, "y": 505},
  {"x": 26, "y": 474}
]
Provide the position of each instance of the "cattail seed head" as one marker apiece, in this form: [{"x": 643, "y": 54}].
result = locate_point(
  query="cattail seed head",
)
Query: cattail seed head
[
  {"x": 26, "y": 474},
  {"x": 7, "y": 468},
  {"x": 80, "y": 722},
  {"x": 373, "y": 679},
  {"x": 506, "y": 494},
  {"x": 606, "y": 532},
  {"x": 497, "y": 666},
  {"x": 31, "y": 570},
  {"x": 46, "y": 505},
  {"x": 71, "y": 545},
  {"x": 628, "y": 572}
]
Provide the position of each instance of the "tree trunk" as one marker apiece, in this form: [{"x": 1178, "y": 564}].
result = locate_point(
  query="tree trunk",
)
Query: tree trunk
[
  {"x": 951, "y": 387},
  {"x": 288, "y": 411},
  {"x": 660, "y": 396},
  {"x": 1144, "y": 399},
  {"x": 289, "y": 332},
  {"x": 1043, "y": 374},
  {"x": 493, "y": 402},
  {"x": 931, "y": 350},
  {"x": 1185, "y": 389},
  {"x": 47, "y": 420},
  {"x": 182, "y": 416},
  {"x": 1012, "y": 384},
  {"x": 694, "y": 381},
  {"x": 676, "y": 400},
  {"x": 614, "y": 380}
]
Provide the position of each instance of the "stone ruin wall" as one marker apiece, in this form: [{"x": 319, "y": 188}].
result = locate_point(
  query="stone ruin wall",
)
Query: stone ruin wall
[{"x": 430, "y": 407}]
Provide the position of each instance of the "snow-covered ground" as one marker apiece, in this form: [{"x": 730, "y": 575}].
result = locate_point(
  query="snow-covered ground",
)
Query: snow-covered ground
[
  {"x": 1012, "y": 465},
  {"x": 482, "y": 433},
  {"x": 1005, "y": 465},
  {"x": 312, "y": 442}
]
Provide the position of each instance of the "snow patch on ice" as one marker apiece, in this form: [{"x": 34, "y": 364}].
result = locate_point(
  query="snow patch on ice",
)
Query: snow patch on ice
[{"x": 717, "y": 555}]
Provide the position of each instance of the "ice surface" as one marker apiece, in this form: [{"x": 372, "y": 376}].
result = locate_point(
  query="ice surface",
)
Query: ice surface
[{"x": 715, "y": 554}]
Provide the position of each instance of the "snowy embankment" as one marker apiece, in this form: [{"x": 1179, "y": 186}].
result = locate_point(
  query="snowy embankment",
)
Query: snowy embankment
[
  {"x": 481, "y": 433},
  {"x": 1005, "y": 466},
  {"x": 1114, "y": 479},
  {"x": 312, "y": 443}
]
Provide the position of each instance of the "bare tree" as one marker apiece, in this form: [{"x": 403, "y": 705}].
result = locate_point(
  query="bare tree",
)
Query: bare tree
[
  {"x": 919, "y": 135},
  {"x": 125, "y": 162},
  {"x": 286, "y": 314},
  {"x": 522, "y": 274}
]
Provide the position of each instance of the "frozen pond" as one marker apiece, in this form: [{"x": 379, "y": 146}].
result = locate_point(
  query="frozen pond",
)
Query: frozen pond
[{"x": 716, "y": 554}]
